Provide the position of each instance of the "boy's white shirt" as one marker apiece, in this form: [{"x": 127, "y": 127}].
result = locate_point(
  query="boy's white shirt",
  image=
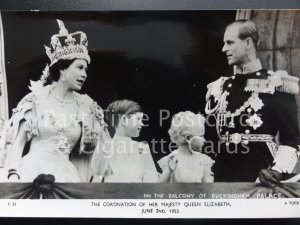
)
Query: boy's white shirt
[{"x": 127, "y": 161}]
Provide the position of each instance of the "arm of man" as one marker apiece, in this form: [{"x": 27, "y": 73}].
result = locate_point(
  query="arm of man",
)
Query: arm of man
[{"x": 288, "y": 151}]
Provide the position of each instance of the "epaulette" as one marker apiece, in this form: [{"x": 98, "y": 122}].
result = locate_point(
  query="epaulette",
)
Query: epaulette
[
  {"x": 289, "y": 83},
  {"x": 215, "y": 88},
  {"x": 279, "y": 80}
]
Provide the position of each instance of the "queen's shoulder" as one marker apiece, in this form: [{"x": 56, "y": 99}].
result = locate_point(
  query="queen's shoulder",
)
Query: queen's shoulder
[
  {"x": 84, "y": 98},
  {"x": 37, "y": 93},
  {"x": 28, "y": 98}
]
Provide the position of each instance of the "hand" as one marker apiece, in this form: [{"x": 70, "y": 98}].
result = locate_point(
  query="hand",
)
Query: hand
[
  {"x": 172, "y": 164},
  {"x": 90, "y": 138},
  {"x": 270, "y": 178},
  {"x": 94, "y": 138},
  {"x": 98, "y": 113}
]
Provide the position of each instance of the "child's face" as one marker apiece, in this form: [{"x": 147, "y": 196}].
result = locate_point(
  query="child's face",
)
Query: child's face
[{"x": 134, "y": 124}]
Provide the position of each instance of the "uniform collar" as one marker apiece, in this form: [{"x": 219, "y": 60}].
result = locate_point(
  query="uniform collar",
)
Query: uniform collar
[{"x": 250, "y": 67}]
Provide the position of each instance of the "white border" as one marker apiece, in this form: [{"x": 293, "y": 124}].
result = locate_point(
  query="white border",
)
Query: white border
[{"x": 240, "y": 208}]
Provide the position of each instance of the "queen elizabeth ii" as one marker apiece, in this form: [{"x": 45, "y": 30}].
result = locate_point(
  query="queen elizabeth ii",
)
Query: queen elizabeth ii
[{"x": 55, "y": 118}]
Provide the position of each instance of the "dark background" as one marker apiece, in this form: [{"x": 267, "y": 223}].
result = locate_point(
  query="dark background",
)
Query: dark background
[
  {"x": 163, "y": 60},
  {"x": 142, "y": 5}
]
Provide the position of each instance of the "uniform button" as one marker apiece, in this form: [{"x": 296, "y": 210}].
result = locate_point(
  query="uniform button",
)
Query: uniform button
[
  {"x": 233, "y": 77},
  {"x": 236, "y": 138},
  {"x": 258, "y": 74},
  {"x": 227, "y": 143},
  {"x": 229, "y": 85},
  {"x": 227, "y": 132},
  {"x": 245, "y": 142},
  {"x": 249, "y": 110},
  {"x": 247, "y": 131}
]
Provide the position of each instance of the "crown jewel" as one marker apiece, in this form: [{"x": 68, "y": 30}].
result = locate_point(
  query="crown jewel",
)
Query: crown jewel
[
  {"x": 67, "y": 46},
  {"x": 63, "y": 46}
]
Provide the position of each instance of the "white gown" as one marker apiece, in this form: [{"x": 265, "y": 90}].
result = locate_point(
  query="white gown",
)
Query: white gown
[{"x": 46, "y": 154}]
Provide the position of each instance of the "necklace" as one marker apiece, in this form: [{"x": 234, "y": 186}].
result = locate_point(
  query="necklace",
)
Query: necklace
[{"x": 60, "y": 99}]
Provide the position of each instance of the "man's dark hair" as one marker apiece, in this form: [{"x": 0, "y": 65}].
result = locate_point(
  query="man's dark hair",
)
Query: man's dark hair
[
  {"x": 119, "y": 108},
  {"x": 247, "y": 29}
]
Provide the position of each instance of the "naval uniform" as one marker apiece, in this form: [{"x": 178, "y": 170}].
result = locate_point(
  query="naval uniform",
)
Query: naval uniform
[{"x": 255, "y": 116}]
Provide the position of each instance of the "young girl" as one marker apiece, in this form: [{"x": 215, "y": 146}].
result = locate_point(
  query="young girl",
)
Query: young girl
[
  {"x": 121, "y": 159},
  {"x": 187, "y": 163}
]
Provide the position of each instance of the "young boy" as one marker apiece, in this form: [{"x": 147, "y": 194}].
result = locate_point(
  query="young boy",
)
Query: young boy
[{"x": 121, "y": 159}]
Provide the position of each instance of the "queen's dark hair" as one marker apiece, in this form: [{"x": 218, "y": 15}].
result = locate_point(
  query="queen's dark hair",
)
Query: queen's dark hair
[{"x": 55, "y": 69}]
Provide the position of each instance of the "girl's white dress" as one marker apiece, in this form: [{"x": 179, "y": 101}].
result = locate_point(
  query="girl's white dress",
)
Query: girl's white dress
[{"x": 192, "y": 167}]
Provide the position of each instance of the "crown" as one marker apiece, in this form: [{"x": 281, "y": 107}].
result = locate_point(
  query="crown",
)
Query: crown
[
  {"x": 67, "y": 46},
  {"x": 63, "y": 46}
]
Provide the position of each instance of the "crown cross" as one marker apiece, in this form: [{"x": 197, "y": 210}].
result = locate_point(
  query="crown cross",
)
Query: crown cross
[
  {"x": 65, "y": 45},
  {"x": 70, "y": 40}
]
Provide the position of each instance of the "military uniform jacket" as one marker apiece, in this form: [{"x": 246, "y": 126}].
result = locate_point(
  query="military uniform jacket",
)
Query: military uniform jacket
[{"x": 254, "y": 114}]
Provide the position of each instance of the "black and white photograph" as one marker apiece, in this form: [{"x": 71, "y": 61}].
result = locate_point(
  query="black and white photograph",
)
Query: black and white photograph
[{"x": 151, "y": 105}]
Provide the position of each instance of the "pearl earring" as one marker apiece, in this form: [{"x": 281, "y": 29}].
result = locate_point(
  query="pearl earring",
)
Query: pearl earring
[{"x": 63, "y": 78}]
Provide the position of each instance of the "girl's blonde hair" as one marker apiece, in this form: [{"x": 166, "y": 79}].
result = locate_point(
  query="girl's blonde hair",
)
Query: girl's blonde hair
[{"x": 186, "y": 123}]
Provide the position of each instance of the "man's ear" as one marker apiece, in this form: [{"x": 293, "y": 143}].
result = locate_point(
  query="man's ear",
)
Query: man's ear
[{"x": 249, "y": 42}]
